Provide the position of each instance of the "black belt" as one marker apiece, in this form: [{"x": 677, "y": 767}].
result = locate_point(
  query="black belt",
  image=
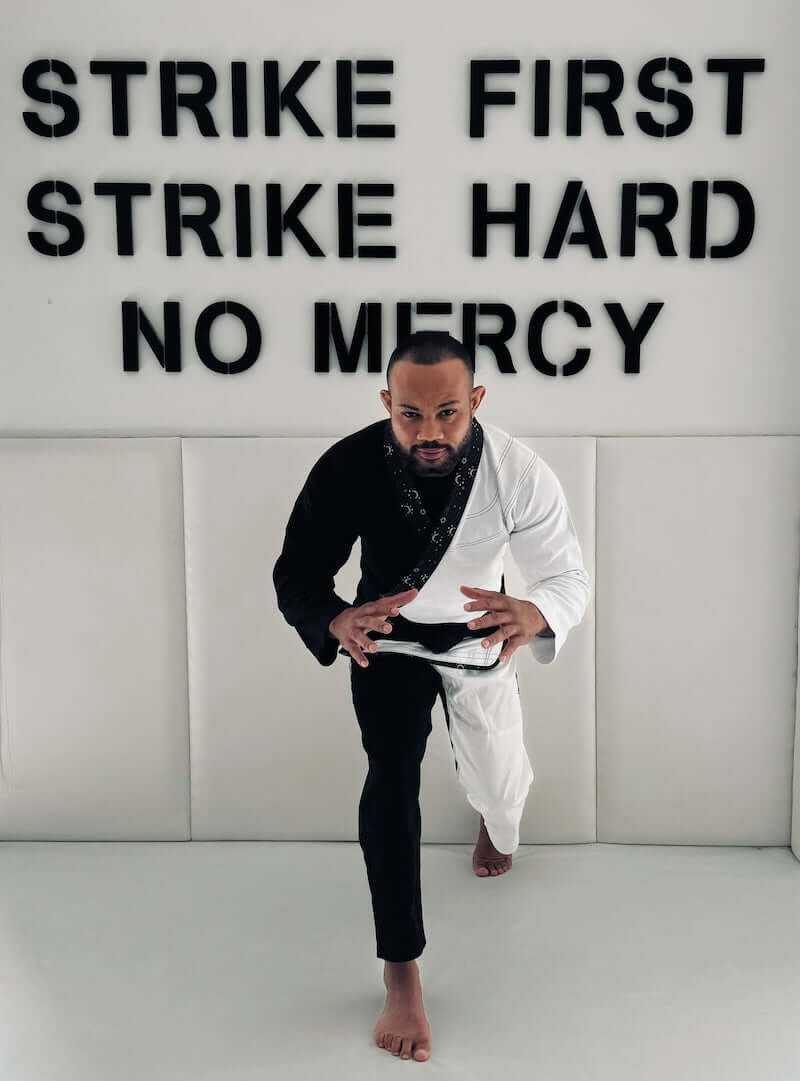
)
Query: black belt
[{"x": 436, "y": 637}]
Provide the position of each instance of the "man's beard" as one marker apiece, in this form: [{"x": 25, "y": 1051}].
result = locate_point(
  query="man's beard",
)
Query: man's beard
[{"x": 440, "y": 468}]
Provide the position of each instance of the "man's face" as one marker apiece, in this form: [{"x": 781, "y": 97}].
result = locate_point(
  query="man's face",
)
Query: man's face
[{"x": 431, "y": 408}]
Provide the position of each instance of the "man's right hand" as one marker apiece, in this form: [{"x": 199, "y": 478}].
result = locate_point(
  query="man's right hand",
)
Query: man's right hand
[{"x": 349, "y": 626}]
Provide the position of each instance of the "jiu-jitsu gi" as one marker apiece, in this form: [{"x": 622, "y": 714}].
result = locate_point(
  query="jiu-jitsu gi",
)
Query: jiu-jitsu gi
[{"x": 433, "y": 533}]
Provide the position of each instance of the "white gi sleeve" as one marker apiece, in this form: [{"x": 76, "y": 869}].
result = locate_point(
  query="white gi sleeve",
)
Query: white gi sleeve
[{"x": 545, "y": 547}]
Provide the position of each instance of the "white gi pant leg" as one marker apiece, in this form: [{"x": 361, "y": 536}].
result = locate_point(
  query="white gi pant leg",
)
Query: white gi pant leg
[{"x": 484, "y": 715}]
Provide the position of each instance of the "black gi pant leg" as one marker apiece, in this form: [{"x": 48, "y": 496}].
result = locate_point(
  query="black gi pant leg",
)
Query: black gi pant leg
[{"x": 393, "y": 698}]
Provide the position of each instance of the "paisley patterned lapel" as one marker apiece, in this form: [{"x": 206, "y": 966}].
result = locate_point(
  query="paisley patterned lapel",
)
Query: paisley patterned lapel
[{"x": 437, "y": 534}]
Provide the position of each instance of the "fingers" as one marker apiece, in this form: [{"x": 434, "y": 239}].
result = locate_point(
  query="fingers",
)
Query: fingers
[
  {"x": 500, "y": 636},
  {"x": 387, "y": 606},
  {"x": 358, "y": 643},
  {"x": 486, "y": 620},
  {"x": 511, "y": 646},
  {"x": 499, "y": 603},
  {"x": 374, "y": 616},
  {"x": 485, "y": 593},
  {"x": 361, "y": 642},
  {"x": 392, "y": 605},
  {"x": 492, "y": 619}
]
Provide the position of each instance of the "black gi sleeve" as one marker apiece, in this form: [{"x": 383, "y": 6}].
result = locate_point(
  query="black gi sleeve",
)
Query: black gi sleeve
[{"x": 319, "y": 538}]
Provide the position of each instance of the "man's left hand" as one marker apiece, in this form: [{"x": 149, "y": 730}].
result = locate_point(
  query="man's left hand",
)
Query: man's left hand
[{"x": 518, "y": 620}]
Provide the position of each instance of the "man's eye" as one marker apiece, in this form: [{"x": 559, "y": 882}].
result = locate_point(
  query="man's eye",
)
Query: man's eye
[{"x": 407, "y": 414}]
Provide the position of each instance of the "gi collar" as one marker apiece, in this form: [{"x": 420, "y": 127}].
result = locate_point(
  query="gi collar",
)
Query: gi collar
[{"x": 437, "y": 534}]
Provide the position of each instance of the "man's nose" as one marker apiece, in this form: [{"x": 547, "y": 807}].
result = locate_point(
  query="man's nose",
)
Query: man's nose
[{"x": 430, "y": 433}]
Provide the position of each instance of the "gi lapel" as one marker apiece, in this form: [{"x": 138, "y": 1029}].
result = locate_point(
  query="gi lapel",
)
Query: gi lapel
[
  {"x": 438, "y": 534},
  {"x": 436, "y": 637}
]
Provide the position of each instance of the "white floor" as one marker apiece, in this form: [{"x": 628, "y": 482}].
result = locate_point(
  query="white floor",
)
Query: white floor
[{"x": 240, "y": 960}]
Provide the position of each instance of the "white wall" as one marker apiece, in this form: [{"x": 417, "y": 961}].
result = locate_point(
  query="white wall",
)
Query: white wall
[
  {"x": 718, "y": 362},
  {"x": 718, "y": 359}
]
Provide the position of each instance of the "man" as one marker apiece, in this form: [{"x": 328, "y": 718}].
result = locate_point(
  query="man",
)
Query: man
[{"x": 436, "y": 498}]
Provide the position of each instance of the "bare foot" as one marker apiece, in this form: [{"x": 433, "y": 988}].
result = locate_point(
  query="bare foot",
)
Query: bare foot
[
  {"x": 402, "y": 1029},
  {"x": 486, "y": 859}
]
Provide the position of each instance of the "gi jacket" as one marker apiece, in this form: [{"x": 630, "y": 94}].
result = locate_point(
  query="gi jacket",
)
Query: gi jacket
[{"x": 504, "y": 496}]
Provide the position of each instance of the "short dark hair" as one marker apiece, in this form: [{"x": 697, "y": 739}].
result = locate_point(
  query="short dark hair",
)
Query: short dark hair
[{"x": 431, "y": 347}]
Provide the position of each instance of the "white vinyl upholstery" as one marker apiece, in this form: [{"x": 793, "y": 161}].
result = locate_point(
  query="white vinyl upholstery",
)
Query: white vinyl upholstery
[
  {"x": 141, "y": 647},
  {"x": 795, "y": 835},
  {"x": 558, "y": 699},
  {"x": 697, "y": 640},
  {"x": 94, "y": 720}
]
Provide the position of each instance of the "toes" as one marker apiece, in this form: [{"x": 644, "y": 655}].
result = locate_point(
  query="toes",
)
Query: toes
[
  {"x": 401, "y": 1046},
  {"x": 488, "y": 867}
]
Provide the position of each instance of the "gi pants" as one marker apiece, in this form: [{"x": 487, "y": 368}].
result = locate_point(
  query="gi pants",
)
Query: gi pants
[{"x": 393, "y": 698}]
